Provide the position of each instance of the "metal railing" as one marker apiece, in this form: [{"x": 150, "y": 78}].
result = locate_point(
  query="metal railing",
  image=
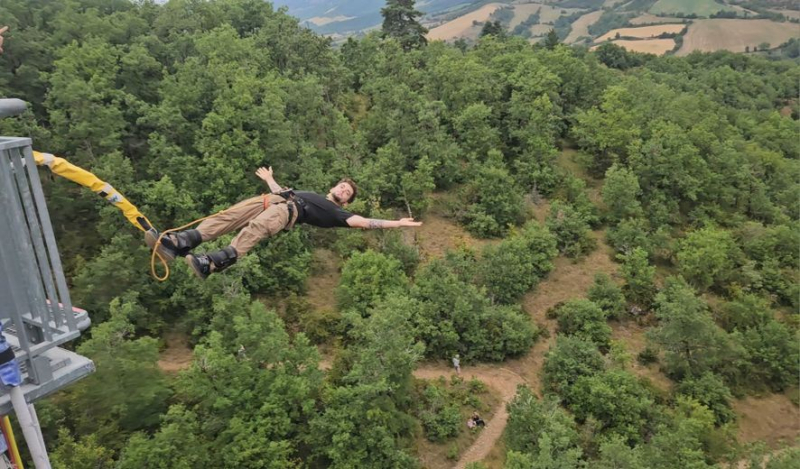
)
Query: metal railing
[{"x": 34, "y": 299}]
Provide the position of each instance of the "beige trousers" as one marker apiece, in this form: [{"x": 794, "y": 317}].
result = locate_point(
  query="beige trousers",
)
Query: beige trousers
[{"x": 258, "y": 217}]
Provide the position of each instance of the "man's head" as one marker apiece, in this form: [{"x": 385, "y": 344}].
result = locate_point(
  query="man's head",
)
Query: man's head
[{"x": 344, "y": 191}]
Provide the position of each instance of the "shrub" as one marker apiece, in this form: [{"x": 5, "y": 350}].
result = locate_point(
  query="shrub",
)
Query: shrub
[
  {"x": 571, "y": 229},
  {"x": 366, "y": 278},
  {"x": 606, "y": 294},
  {"x": 584, "y": 319}
]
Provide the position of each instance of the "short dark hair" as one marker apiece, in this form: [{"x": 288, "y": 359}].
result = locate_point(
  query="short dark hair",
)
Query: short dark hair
[{"x": 353, "y": 185}]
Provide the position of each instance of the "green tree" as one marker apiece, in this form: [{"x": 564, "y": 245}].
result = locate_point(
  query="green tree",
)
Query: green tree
[
  {"x": 551, "y": 39},
  {"x": 586, "y": 320},
  {"x": 365, "y": 415},
  {"x": 770, "y": 350},
  {"x": 530, "y": 418},
  {"x": 83, "y": 454},
  {"x": 493, "y": 28},
  {"x": 692, "y": 342},
  {"x": 493, "y": 200},
  {"x": 570, "y": 228},
  {"x": 707, "y": 257},
  {"x": 516, "y": 265},
  {"x": 109, "y": 409},
  {"x": 255, "y": 386},
  {"x": 639, "y": 277},
  {"x": 679, "y": 442},
  {"x": 367, "y": 278},
  {"x": 621, "y": 404},
  {"x": 606, "y": 294},
  {"x": 179, "y": 443},
  {"x": 400, "y": 22},
  {"x": 709, "y": 390},
  {"x": 570, "y": 359},
  {"x": 615, "y": 453},
  {"x": 456, "y": 317},
  {"x": 620, "y": 193}
]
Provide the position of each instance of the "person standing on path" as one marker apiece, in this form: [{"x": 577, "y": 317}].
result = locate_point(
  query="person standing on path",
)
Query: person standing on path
[
  {"x": 262, "y": 217},
  {"x": 457, "y": 364}
]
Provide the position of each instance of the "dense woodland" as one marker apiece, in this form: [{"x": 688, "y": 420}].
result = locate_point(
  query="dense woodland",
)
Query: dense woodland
[{"x": 177, "y": 104}]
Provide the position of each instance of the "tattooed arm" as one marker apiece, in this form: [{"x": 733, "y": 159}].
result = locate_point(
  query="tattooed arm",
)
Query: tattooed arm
[{"x": 374, "y": 224}]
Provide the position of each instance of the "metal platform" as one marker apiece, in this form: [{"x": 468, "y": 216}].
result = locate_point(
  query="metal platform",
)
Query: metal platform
[{"x": 66, "y": 367}]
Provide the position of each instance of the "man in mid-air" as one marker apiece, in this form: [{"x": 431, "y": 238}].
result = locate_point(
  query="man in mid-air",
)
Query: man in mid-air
[{"x": 262, "y": 217}]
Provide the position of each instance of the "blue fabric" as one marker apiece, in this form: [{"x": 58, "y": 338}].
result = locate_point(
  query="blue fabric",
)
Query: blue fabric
[{"x": 10, "y": 374}]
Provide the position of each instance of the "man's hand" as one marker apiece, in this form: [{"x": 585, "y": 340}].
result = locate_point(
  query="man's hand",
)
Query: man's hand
[
  {"x": 2, "y": 30},
  {"x": 409, "y": 222},
  {"x": 265, "y": 174}
]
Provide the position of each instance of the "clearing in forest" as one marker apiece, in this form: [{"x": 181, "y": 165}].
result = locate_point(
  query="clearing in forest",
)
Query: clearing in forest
[
  {"x": 503, "y": 384},
  {"x": 772, "y": 418},
  {"x": 735, "y": 35},
  {"x": 643, "y": 32}
]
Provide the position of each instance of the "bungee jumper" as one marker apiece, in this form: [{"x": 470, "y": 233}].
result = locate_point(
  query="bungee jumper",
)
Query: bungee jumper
[{"x": 262, "y": 217}]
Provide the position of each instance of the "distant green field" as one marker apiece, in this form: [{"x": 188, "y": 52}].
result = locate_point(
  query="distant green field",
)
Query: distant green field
[{"x": 698, "y": 7}]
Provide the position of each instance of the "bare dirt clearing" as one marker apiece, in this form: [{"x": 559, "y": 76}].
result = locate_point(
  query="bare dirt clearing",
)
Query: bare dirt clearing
[
  {"x": 773, "y": 419},
  {"x": 177, "y": 355}
]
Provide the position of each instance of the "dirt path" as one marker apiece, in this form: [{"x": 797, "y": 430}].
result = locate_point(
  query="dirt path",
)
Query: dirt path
[
  {"x": 501, "y": 379},
  {"x": 569, "y": 279}
]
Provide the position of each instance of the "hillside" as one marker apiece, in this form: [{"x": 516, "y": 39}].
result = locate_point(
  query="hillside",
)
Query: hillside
[{"x": 587, "y": 22}]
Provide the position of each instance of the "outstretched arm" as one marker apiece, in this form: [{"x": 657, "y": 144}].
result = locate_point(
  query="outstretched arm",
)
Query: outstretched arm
[
  {"x": 2, "y": 30},
  {"x": 266, "y": 175},
  {"x": 357, "y": 221}
]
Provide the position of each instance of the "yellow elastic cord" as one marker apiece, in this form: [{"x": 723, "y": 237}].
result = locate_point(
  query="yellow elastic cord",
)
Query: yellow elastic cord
[
  {"x": 78, "y": 175},
  {"x": 13, "y": 449}
]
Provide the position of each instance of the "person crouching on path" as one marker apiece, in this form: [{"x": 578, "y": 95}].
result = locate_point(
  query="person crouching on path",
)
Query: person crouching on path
[{"x": 262, "y": 217}]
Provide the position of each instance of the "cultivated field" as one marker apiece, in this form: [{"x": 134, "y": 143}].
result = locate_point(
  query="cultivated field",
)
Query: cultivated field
[
  {"x": 735, "y": 35},
  {"x": 547, "y": 13},
  {"x": 647, "y": 18},
  {"x": 323, "y": 20},
  {"x": 649, "y": 46},
  {"x": 643, "y": 32},
  {"x": 581, "y": 26},
  {"x": 462, "y": 26},
  {"x": 540, "y": 29},
  {"x": 788, "y": 13},
  {"x": 698, "y": 7}
]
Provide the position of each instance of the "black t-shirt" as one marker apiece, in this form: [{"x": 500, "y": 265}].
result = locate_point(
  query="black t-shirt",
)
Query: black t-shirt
[{"x": 316, "y": 210}]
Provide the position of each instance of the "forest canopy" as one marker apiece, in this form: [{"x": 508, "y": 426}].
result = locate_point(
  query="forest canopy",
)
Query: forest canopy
[{"x": 688, "y": 172}]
